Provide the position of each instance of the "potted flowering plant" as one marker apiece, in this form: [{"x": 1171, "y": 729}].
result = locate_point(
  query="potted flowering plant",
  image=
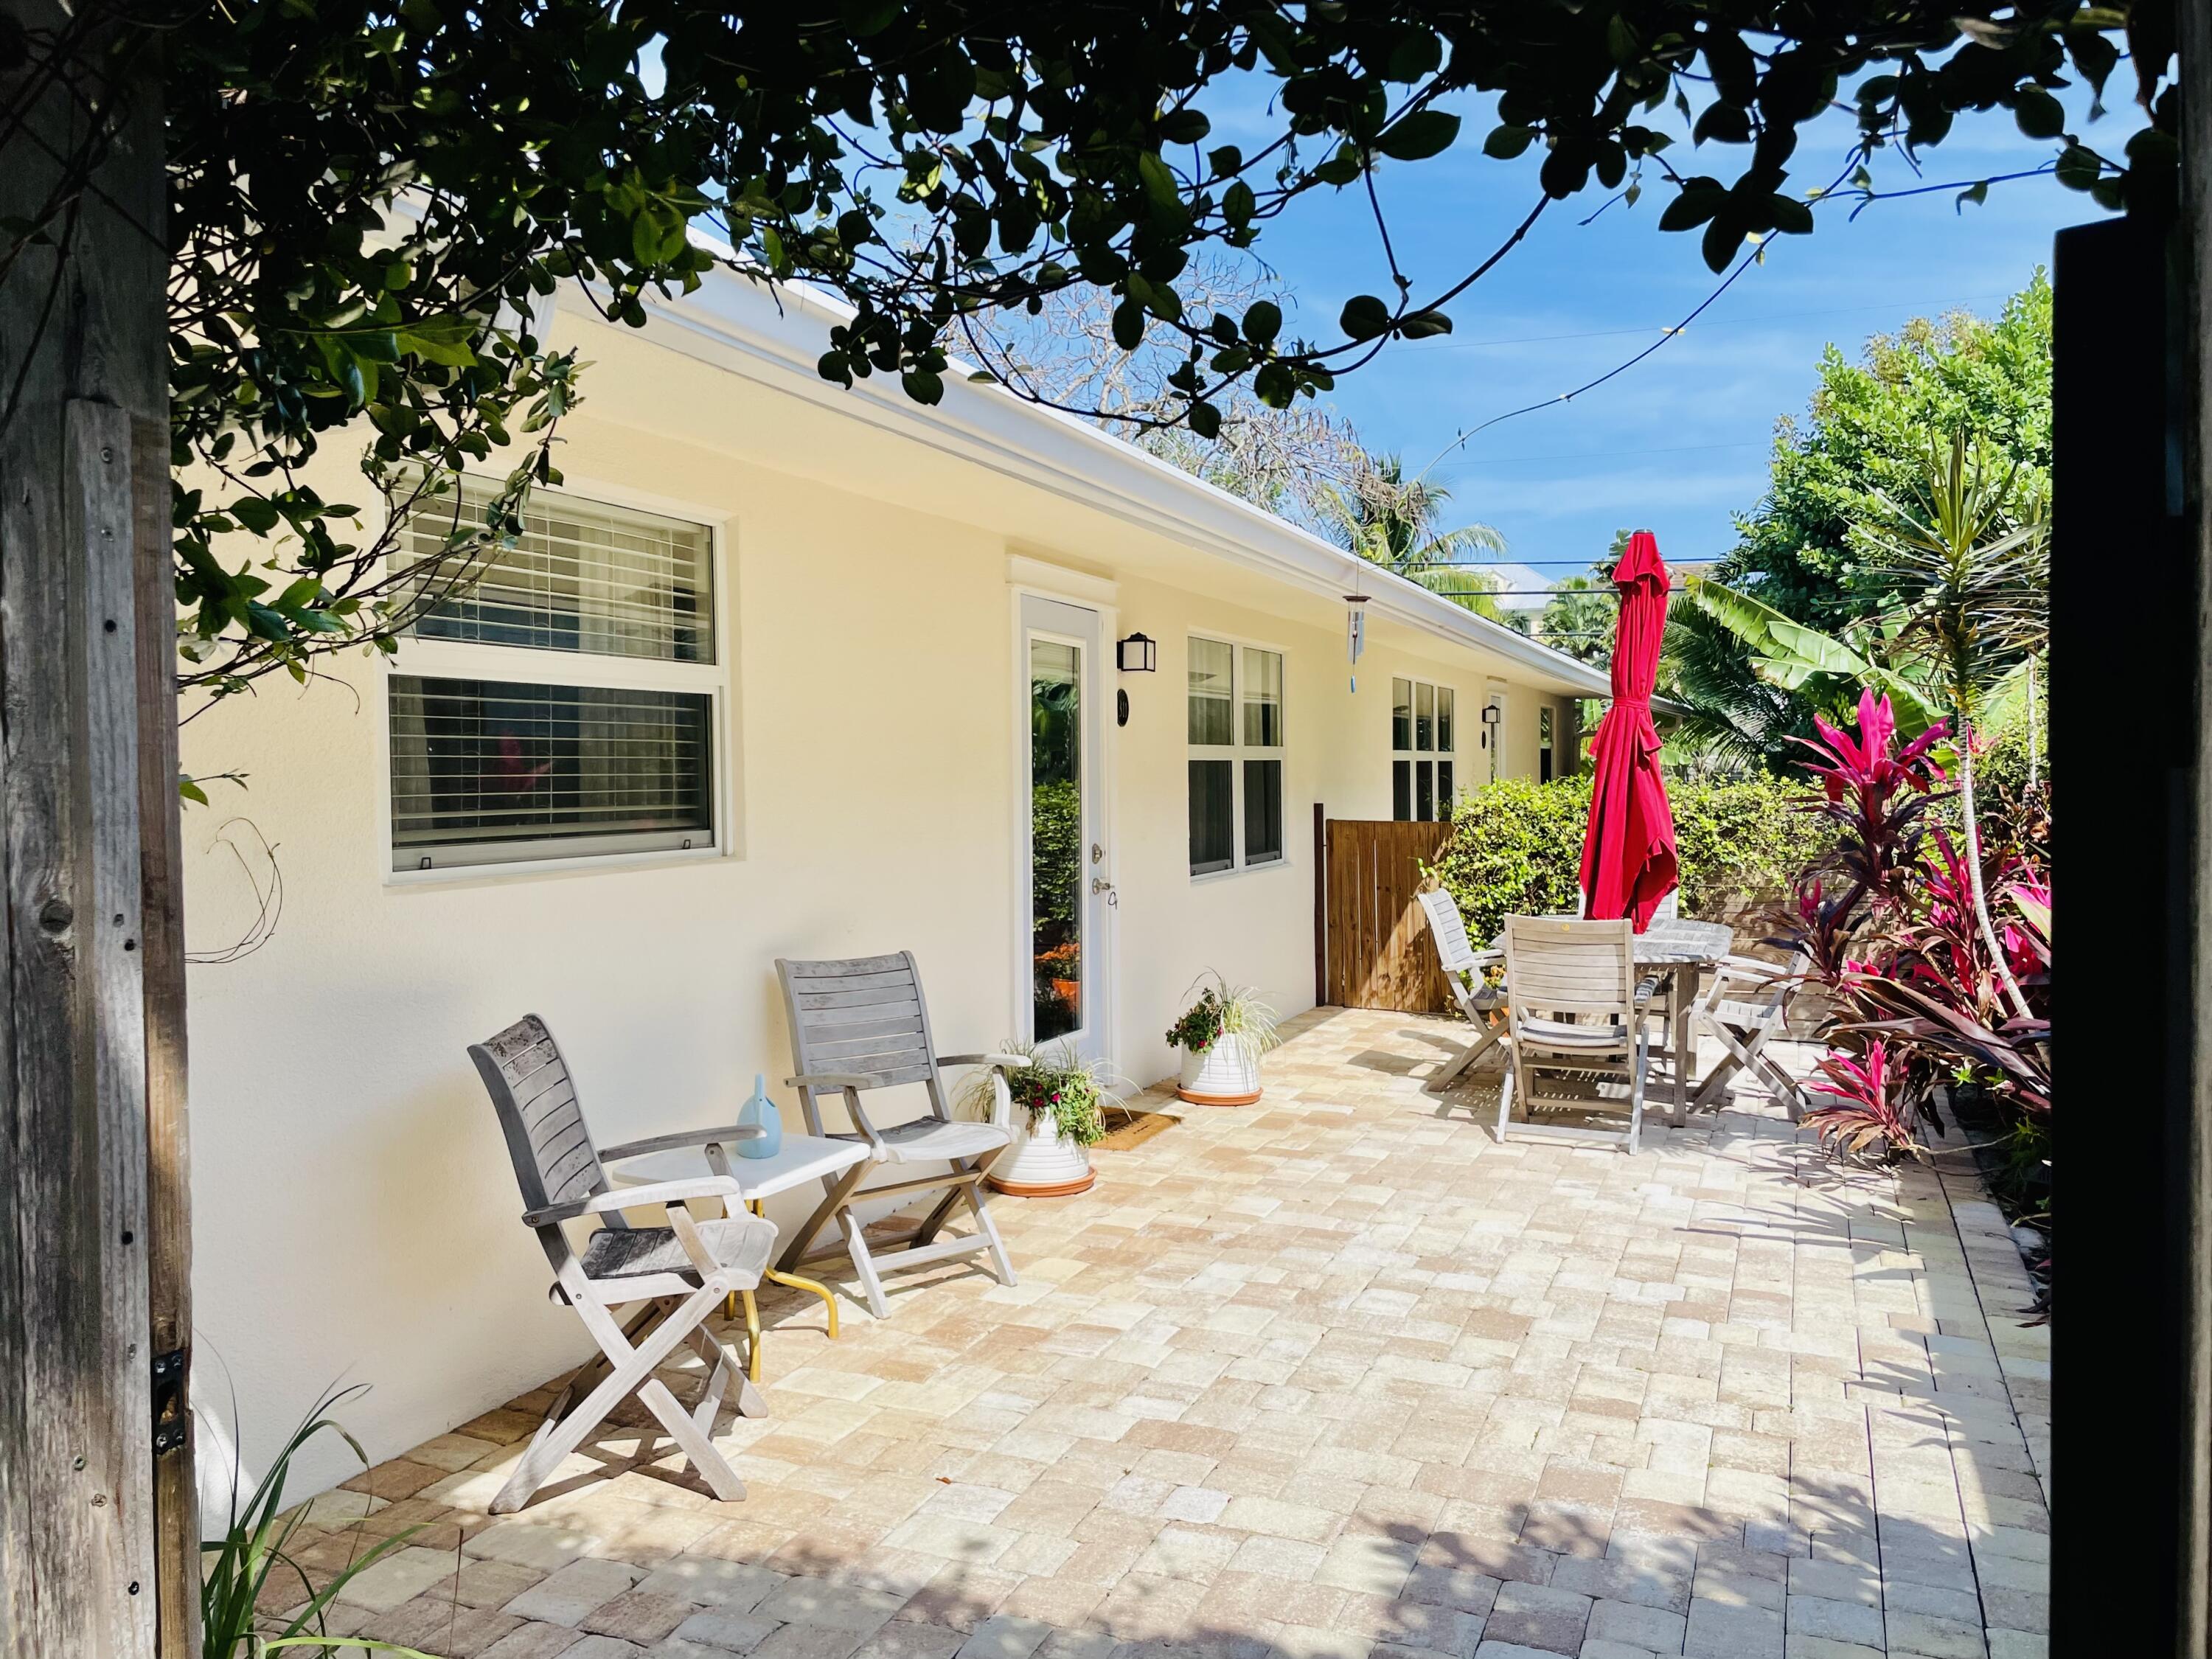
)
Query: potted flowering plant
[
  {"x": 1222, "y": 1035},
  {"x": 1059, "y": 1115}
]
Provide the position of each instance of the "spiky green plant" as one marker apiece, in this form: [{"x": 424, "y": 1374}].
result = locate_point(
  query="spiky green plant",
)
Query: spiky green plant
[{"x": 237, "y": 1566}]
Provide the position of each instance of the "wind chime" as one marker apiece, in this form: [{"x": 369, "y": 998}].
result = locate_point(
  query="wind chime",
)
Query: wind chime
[{"x": 1355, "y": 632}]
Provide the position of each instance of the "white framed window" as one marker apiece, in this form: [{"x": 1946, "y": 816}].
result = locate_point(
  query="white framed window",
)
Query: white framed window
[
  {"x": 1236, "y": 733},
  {"x": 1424, "y": 750},
  {"x": 568, "y": 706}
]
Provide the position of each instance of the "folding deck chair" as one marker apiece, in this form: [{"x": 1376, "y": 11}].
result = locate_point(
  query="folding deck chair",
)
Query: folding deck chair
[
  {"x": 1575, "y": 1014},
  {"x": 682, "y": 1272},
  {"x": 1464, "y": 967},
  {"x": 860, "y": 1024},
  {"x": 1748, "y": 1004}
]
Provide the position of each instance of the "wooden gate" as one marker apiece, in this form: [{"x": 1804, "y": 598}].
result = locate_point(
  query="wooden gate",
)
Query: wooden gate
[{"x": 1374, "y": 947}]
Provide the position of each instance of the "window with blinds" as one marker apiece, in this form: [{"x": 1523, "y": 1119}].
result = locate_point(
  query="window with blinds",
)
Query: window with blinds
[
  {"x": 565, "y": 705},
  {"x": 489, "y": 771},
  {"x": 583, "y": 576}
]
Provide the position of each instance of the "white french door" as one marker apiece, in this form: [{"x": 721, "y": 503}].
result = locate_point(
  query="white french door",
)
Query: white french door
[{"x": 1065, "y": 885}]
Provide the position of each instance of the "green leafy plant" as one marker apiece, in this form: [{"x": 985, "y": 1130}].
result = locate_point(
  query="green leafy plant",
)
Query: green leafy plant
[
  {"x": 1516, "y": 847},
  {"x": 1223, "y": 1009},
  {"x": 1054, "y": 1085},
  {"x": 239, "y": 1565}
]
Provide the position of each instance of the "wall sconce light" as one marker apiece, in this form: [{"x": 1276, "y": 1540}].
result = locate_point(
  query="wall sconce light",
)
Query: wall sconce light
[
  {"x": 1137, "y": 654},
  {"x": 1490, "y": 714}
]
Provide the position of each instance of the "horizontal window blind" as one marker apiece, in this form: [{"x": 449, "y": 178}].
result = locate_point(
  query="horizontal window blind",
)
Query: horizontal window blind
[
  {"x": 583, "y": 576},
  {"x": 485, "y": 771}
]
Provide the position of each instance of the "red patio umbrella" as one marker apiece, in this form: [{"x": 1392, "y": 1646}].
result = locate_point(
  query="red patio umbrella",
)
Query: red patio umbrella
[{"x": 1628, "y": 850}]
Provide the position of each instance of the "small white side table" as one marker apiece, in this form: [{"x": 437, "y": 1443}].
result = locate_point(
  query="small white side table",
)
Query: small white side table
[{"x": 800, "y": 1159}]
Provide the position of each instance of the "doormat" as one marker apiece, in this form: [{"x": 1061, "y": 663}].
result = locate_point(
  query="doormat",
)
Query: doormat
[{"x": 1140, "y": 1129}]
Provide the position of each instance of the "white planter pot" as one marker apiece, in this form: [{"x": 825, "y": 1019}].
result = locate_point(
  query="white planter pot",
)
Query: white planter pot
[
  {"x": 1226, "y": 1074},
  {"x": 1042, "y": 1163}
]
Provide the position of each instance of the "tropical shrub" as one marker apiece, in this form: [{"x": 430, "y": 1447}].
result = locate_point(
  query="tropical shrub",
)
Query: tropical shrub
[
  {"x": 1923, "y": 1000},
  {"x": 1516, "y": 847}
]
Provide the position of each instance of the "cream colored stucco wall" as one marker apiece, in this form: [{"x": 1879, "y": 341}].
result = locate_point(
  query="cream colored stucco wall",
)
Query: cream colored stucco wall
[{"x": 355, "y": 1215}]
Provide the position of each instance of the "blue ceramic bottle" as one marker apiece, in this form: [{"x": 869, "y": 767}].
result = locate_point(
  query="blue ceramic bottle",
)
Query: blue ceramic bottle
[{"x": 762, "y": 1111}]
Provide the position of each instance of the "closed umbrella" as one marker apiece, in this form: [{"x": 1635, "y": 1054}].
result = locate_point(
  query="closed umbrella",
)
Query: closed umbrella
[{"x": 1628, "y": 850}]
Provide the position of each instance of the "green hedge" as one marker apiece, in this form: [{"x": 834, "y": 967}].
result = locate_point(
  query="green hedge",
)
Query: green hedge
[{"x": 1516, "y": 847}]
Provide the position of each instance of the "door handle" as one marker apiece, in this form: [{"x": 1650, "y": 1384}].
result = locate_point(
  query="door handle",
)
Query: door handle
[{"x": 1100, "y": 884}]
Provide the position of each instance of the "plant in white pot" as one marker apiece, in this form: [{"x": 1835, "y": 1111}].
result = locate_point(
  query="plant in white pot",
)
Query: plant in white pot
[
  {"x": 1058, "y": 1112},
  {"x": 1221, "y": 1037}
]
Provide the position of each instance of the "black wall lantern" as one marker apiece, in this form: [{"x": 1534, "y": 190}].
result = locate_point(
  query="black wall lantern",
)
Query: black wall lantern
[{"x": 1137, "y": 654}]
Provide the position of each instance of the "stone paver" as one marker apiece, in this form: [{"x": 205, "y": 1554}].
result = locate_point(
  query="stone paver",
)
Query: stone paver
[{"x": 1335, "y": 1376}]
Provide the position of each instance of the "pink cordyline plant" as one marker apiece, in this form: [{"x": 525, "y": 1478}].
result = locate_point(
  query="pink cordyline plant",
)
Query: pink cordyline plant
[
  {"x": 1878, "y": 795},
  {"x": 1864, "y": 1113}
]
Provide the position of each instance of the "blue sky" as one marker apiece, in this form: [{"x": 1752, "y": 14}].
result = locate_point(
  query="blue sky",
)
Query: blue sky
[{"x": 1679, "y": 444}]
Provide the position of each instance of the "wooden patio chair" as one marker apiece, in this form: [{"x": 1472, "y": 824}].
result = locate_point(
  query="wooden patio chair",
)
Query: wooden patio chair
[
  {"x": 857, "y": 1024},
  {"x": 682, "y": 1272},
  {"x": 1464, "y": 967},
  {"x": 1576, "y": 1015},
  {"x": 1747, "y": 1005}
]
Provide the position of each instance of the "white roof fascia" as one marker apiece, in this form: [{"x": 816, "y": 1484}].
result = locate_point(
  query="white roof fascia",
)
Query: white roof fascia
[{"x": 781, "y": 332}]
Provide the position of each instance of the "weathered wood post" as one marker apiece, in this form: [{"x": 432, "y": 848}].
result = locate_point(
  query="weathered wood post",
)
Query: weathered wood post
[{"x": 82, "y": 374}]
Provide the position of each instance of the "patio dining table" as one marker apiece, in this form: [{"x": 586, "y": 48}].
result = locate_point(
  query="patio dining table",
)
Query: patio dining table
[{"x": 1682, "y": 949}]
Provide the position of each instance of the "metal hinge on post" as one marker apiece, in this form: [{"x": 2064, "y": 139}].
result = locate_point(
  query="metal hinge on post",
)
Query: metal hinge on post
[{"x": 169, "y": 1420}]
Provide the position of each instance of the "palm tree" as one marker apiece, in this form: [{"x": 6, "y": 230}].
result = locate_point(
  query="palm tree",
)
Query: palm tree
[{"x": 1390, "y": 520}]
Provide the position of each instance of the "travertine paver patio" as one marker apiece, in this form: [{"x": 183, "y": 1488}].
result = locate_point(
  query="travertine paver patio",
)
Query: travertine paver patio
[{"x": 1331, "y": 1376}]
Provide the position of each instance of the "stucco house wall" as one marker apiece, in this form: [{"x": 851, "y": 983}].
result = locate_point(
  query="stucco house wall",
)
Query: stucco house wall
[{"x": 355, "y": 1217}]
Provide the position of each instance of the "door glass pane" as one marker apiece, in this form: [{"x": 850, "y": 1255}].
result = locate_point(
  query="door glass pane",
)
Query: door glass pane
[
  {"x": 1424, "y": 716},
  {"x": 1211, "y": 720},
  {"x": 1056, "y": 836},
  {"x": 1401, "y": 713},
  {"x": 1443, "y": 788},
  {"x": 1263, "y": 810},
  {"x": 1402, "y": 790},
  {"x": 1263, "y": 699},
  {"x": 1444, "y": 719},
  {"x": 1425, "y": 799},
  {"x": 1212, "y": 815}
]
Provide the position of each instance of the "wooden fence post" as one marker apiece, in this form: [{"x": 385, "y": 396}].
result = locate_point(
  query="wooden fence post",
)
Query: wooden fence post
[
  {"x": 82, "y": 344},
  {"x": 1320, "y": 904}
]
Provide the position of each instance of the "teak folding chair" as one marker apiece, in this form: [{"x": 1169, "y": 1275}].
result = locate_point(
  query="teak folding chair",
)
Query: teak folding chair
[
  {"x": 1576, "y": 1015},
  {"x": 682, "y": 1272},
  {"x": 1748, "y": 1004},
  {"x": 1464, "y": 967},
  {"x": 860, "y": 1024}
]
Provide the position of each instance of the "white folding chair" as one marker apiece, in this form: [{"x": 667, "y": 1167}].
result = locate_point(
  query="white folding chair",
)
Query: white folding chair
[
  {"x": 1746, "y": 1004},
  {"x": 860, "y": 1024},
  {"x": 1574, "y": 1017},
  {"x": 682, "y": 1272},
  {"x": 1464, "y": 967}
]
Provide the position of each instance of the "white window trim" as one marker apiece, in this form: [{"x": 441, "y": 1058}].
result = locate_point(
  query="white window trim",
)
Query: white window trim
[
  {"x": 1235, "y": 753},
  {"x": 435, "y": 658},
  {"x": 1453, "y": 754}
]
